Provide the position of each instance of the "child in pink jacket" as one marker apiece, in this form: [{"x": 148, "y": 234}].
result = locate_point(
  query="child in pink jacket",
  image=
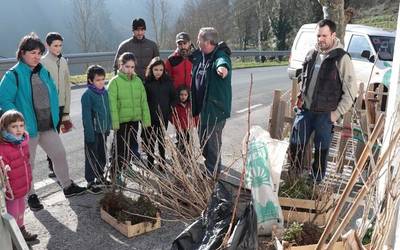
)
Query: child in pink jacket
[{"x": 14, "y": 151}]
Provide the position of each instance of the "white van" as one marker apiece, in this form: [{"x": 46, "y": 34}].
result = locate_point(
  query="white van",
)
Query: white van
[{"x": 362, "y": 43}]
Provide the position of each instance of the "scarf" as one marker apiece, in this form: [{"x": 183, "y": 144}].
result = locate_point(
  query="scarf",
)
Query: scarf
[
  {"x": 12, "y": 138},
  {"x": 96, "y": 90}
]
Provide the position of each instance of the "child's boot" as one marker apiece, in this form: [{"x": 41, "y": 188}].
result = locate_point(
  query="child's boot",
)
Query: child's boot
[{"x": 28, "y": 237}]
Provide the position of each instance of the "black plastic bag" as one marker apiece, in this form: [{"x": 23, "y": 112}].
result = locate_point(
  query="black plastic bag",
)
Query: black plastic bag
[{"x": 209, "y": 230}]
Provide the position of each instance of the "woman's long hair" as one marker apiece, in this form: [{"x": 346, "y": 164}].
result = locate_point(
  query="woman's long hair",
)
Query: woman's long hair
[{"x": 149, "y": 76}]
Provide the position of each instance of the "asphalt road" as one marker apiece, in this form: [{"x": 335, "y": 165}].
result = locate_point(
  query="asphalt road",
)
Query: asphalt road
[{"x": 266, "y": 80}]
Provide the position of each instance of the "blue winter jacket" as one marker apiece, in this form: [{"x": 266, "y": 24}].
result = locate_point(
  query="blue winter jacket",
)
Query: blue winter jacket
[
  {"x": 20, "y": 97},
  {"x": 96, "y": 116}
]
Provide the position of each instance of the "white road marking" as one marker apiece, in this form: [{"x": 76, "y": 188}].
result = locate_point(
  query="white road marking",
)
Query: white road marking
[
  {"x": 246, "y": 109},
  {"x": 43, "y": 183}
]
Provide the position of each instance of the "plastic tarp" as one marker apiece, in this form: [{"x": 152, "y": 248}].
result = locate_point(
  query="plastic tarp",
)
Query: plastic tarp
[
  {"x": 209, "y": 230},
  {"x": 265, "y": 158}
]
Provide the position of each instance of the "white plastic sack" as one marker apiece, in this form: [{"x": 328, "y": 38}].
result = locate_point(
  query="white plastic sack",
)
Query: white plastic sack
[{"x": 265, "y": 158}]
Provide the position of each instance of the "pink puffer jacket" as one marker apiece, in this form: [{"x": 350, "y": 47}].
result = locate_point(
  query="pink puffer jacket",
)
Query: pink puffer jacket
[{"x": 17, "y": 157}]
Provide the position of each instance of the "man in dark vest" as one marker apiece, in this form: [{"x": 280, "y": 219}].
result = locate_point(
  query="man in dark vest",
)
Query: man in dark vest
[{"x": 327, "y": 92}]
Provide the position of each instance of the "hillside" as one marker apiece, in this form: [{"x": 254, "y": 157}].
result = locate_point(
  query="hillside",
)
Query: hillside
[{"x": 383, "y": 15}]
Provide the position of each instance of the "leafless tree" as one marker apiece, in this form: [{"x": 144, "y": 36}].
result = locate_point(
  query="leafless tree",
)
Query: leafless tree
[
  {"x": 158, "y": 10},
  {"x": 244, "y": 19},
  {"x": 92, "y": 26},
  {"x": 82, "y": 21},
  {"x": 334, "y": 10}
]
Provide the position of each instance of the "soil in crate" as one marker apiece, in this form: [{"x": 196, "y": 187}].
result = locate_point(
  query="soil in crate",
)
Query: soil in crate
[
  {"x": 123, "y": 208},
  {"x": 308, "y": 235}
]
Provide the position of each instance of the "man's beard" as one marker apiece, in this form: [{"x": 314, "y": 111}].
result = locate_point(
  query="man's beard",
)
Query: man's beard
[{"x": 184, "y": 52}]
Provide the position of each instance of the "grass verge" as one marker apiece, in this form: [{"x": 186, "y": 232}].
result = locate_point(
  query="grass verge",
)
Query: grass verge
[{"x": 81, "y": 79}]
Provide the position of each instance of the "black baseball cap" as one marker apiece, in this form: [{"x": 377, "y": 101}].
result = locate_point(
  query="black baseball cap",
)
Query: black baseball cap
[{"x": 182, "y": 36}]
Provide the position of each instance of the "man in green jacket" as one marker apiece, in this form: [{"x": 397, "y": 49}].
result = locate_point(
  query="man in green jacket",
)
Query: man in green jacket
[{"x": 212, "y": 93}]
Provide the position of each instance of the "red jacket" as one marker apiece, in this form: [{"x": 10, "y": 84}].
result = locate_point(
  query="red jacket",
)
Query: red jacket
[
  {"x": 182, "y": 117},
  {"x": 17, "y": 157},
  {"x": 179, "y": 69}
]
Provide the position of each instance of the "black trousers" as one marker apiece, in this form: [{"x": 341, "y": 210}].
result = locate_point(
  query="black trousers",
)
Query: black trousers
[
  {"x": 127, "y": 145},
  {"x": 154, "y": 135},
  {"x": 95, "y": 157}
]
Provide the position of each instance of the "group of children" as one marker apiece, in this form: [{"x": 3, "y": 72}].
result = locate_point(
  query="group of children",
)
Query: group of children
[
  {"x": 125, "y": 103},
  {"x": 131, "y": 102}
]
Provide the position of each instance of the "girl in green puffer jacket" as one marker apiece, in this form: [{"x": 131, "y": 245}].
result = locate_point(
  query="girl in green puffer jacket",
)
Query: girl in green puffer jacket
[{"x": 128, "y": 106}]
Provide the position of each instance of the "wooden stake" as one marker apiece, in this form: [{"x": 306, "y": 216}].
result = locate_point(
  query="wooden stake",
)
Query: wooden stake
[
  {"x": 344, "y": 138},
  {"x": 353, "y": 179},
  {"x": 364, "y": 190},
  {"x": 273, "y": 128}
]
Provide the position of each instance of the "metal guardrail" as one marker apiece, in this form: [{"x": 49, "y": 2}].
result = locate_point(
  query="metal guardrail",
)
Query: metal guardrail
[{"x": 108, "y": 57}]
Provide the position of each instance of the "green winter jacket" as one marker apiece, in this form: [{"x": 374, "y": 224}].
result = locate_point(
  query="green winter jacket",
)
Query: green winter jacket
[
  {"x": 128, "y": 100},
  {"x": 217, "y": 100}
]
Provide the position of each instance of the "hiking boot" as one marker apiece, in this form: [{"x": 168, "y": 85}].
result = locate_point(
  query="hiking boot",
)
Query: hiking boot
[
  {"x": 73, "y": 190},
  {"x": 94, "y": 189},
  {"x": 34, "y": 203},
  {"x": 28, "y": 237}
]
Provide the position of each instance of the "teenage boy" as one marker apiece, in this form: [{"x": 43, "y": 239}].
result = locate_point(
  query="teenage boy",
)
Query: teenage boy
[{"x": 56, "y": 64}]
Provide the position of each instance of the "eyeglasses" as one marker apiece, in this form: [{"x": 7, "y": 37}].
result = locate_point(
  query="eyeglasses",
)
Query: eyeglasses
[{"x": 182, "y": 43}]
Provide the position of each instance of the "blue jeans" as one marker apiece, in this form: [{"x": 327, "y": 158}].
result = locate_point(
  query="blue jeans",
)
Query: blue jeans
[
  {"x": 211, "y": 142},
  {"x": 95, "y": 157},
  {"x": 307, "y": 122}
]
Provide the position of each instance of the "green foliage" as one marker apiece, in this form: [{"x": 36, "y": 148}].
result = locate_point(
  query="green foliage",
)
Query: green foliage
[
  {"x": 254, "y": 64},
  {"x": 293, "y": 232},
  {"x": 81, "y": 79},
  {"x": 302, "y": 234},
  {"x": 387, "y": 21},
  {"x": 281, "y": 27},
  {"x": 300, "y": 187},
  {"x": 368, "y": 236}
]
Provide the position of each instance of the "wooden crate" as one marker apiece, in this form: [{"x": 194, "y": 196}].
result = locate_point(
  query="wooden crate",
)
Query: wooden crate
[
  {"x": 303, "y": 210},
  {"x": 126, "y": 228},
  {"x": 337, "y": 246},
  {"x": 279, "y": 246}
]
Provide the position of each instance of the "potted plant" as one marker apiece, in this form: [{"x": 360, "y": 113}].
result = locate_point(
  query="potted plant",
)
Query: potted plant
[{"x": 302, "y": 200}]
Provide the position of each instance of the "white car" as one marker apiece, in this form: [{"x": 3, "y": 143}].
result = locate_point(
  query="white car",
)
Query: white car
[{"x": 371, "y": 50}]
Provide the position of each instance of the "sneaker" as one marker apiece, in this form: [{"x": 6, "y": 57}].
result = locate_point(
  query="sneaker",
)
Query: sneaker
[
  {"x": 34, "y": 203},
  {"x": 28, "y": 237},
  {"x": 73, "y": 190},
  {"x": 52, "y": 174},
  {"x": 103, "y": 183},
  {"x": 94, "y": 189}
]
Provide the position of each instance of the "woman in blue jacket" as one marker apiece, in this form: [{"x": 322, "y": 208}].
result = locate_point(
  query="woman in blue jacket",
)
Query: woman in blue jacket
[{"x": 29, "y": 88}]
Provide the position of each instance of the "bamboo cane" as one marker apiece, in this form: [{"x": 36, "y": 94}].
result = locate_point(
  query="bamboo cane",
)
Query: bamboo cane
[
  {"x": 358, "y": 169},
  {"x": 370, "y": 182}
]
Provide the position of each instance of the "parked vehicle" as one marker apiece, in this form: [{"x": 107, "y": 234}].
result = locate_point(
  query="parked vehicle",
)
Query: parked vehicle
[{"x": 371, "y": 50}]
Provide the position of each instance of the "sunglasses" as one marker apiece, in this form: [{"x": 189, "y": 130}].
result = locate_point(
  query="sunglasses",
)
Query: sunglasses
[{"x": 182, "y": 43}]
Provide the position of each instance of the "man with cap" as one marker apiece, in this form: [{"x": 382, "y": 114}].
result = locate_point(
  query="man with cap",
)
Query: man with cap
[
  {"x": 143, "y": 48},
  {"x": 178, "y": 65}
]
